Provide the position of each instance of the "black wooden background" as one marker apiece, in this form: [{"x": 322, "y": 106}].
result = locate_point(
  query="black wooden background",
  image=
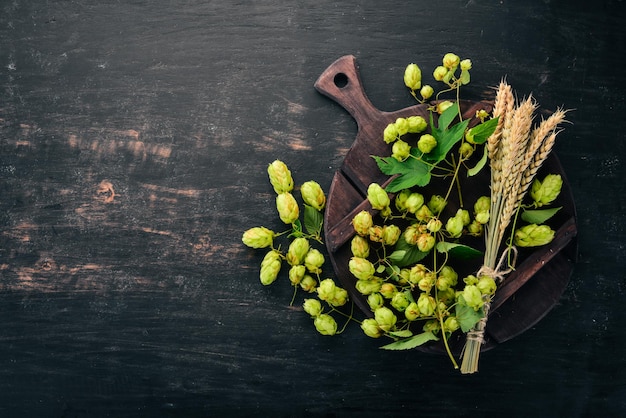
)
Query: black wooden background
[{"x": 134, "y": 138}]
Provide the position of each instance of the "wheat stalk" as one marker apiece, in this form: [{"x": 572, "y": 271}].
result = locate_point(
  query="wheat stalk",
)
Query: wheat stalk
[
  {"x": 516, "y": 155},
  {"x": 542, "y": 140}
]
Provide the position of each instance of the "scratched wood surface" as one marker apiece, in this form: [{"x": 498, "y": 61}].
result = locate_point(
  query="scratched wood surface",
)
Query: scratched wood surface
[{"x": 134, "y": 138}]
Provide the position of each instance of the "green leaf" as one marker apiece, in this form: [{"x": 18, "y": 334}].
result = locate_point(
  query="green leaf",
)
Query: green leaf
[
  {"x": 465, "y": 77},
  {"x": 539, "y": 216},
  {"x": 446, "y": 139},
  {"x": 313, "y": 220},
  {"x": 405, "y": 333},
  {"x": 479, "y": 166},
  {"x": 397, "y": 256},
  {"x": 412, "y": 342},
  {"x": 446, "y": 118},
  {"x": 483, "y": 131},
  {"x": 467, "y": 317},
  {"x": 412, "y": 171},
  {"x": 296, "y": 229},
  {"x": 410, "y": 253},
  {"x": 460, "y": 251}
]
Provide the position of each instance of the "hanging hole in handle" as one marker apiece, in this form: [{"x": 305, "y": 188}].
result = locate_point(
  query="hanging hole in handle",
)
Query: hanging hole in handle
[{"x": 341, "y": 80}]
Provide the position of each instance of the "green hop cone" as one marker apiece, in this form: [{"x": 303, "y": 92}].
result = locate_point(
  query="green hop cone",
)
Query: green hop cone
[
  {"x": 308, "y": 284},
  {"x": 360, "y": 247},
  {"x": 426, "y": 143},
  {"x": 427, "y": 281},
  {"x": 388, "y": 290},
  {"x": 432, "y": 326},
  {"x": 280, "y": 177},
  {"x": 486, "y": 285},
  {"x": 400, "y": 150},
  {"x": 440, "y": 73},
  {"x": 464, "y": 216},
  {"x": 412, "y": 312},
  {"x": 482, "y": 204},
  {"x": 369, "y": 286},
  {"x": 426, "y": 304},
  {"x": 401, "y": 199},
  {"x": 288, "y": 209},
  {"x": 313, "y": 307},
  {"x": 361, "y": 268},
  {"x": 377, "y": 196},
  {"x": 471, "y": 279},
  {"x": 375, "y": 301},
  {"x": 298, "y": 249},
  {"x": 466, "y": 65},
  {"x": 313, "y": 261},
  {"x": 434, "y": 225},
  {"x": 270, "y": 267},
  {"x": 443, "y": 106},
  {"x": 473, "y": 297},
  {"x": 325, "y": 324},
  {"x": 414, "y": 202},
  {"x": 451, "y": 324},
  {"x": 482, "y": 114},
  {"x": 454, "y": 226},
  {"x": 371, "y": 329},
  {"x": 362, "y": 222},
  {"x": 402, "y": 125},
  {"x": 258, "y": 237},
  {"x": 546, "y": 191},
  {"x": 413, "y": 77},
  {"x": 326, "y": 289},
  {"x": 339, "y": 298},
  {"x": 475, "y": 228},
  {"x": 296, "y": 274},
  {"x": 417, "y": 273},
  {"x": 313, "y": 195},
  {"x": 376, "y": 233},
  {"x": 469, "y": 136},
  {"x": 425, "y": 242},
  {"x": 426, "y": 92},
  {"x": 451, "y": 61},
  {"x": 400, "y": 301},
  {"x": 436, "y": 203},
  {"x": 390, "y": 134},
  {"x": 391, "y": 234},
  {"x": 481, "y": 209},
  {"x": 423, "y": 214},
  {"x": 385, "y": 318},
  {"x": 533, "y": 235},
  {"x": 447, "y": 278},
  {"x": 466, "y": 150},
  {"x": 411, "y": 234},
  {"x": 417, "y": 124}
]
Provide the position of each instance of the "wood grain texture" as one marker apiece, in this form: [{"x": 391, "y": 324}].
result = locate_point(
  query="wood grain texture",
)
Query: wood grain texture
[{"x": 134, "y": 138}]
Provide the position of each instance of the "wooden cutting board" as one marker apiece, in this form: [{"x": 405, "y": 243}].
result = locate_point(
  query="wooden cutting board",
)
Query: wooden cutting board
[{"x": 541, "y": 275}]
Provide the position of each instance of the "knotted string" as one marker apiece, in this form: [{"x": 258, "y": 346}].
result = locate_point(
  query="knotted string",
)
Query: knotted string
[{"x": 498, "y": 273}]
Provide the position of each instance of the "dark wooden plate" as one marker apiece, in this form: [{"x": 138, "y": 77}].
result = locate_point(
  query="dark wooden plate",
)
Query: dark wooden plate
[{"x": 525, "y": 296}]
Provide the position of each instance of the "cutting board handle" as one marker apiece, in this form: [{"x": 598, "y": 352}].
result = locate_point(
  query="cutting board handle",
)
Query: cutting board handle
[{"x": 342, "y": 83}]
